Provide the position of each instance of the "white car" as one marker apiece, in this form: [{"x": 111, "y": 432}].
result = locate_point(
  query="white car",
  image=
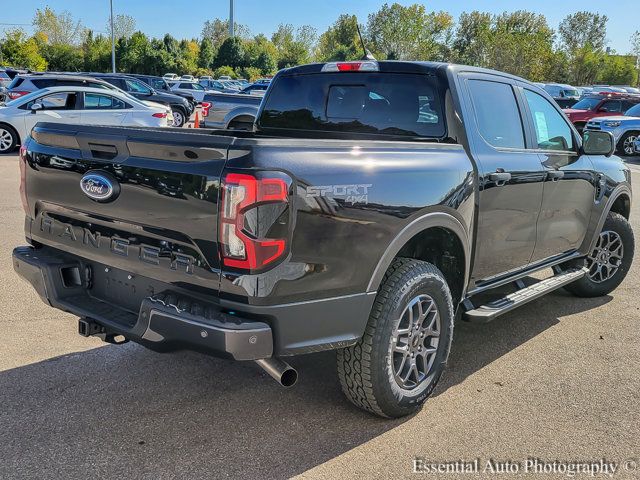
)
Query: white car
[
  {"x": 195, "y": 89},
  {"x": 171, "y": 76},
  {"x": 79, "y": 105},
  {"x": 188, "y": 78}
]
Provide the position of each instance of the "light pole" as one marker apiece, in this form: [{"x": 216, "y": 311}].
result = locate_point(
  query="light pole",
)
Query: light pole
[
  {"x": 231, "y": 18},
  {"x": 113, "y": 42}
]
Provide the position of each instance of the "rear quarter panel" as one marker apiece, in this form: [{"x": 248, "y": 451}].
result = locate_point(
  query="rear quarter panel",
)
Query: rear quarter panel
[{"x": 351, "y": 200}]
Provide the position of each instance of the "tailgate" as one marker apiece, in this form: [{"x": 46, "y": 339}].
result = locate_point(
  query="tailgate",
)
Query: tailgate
[{"x": 159, "y": 219}]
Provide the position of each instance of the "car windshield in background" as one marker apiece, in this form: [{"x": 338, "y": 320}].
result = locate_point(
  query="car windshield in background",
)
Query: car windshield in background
[
  {"x": 586, "y": 104},
  {"x": 383, "y": 104},
  {"x": 570, "y": 93},
  {"x": 633, "y": 111}
]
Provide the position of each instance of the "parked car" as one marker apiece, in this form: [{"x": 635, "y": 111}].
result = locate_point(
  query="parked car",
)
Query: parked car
[
  {"x": 76, "y": 105},
  {"x": 629, "y": 89},
  {"x": 230, "y": 111},
  {"x": 637, "y": 144},
  {"x": 171, "y": 76},
  {"x": 181, "y": 110},
  {"x": 188, "y": 78},
  {"x": 624, "y": 128},
  {"x": 159, "y": 84},
  {"x": 565, "y": 95},
  {"x": 26, "y": 83},
  {"x": 224, "y": 77},
  {"x": 193, "y": 88},
  {"x": 256, "y": 89},
  {"x": 215, "y": 86},
  {"x": 5, "y": 79},
  {"x": 593, "y": 106},
  {"x": 374, "y": 203},
  {"x": 607, "y": 89}
]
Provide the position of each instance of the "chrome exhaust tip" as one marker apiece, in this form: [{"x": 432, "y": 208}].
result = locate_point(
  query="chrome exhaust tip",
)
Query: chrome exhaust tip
[{"x": 282, "y": 372}]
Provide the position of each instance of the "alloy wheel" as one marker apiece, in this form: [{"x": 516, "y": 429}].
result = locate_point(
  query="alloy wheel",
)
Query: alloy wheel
[
  {"x": 178, "y": 119},
  {"x": 415, "y": 342},
  {"x": 6, "y": 140},
  {"x": 606, "y": 258},
  {"x": 628, "y": 145}
]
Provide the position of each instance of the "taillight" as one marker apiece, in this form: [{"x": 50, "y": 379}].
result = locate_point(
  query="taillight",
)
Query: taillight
[
  {"x": 16, "y": 94},
  {"x": 160, "y": 115},
  {"x": 23, "y": 179},
  {"x": 242, "y": 194},
  {"x": 362, "y": 66},
  {"x": 205, "y": 108}
]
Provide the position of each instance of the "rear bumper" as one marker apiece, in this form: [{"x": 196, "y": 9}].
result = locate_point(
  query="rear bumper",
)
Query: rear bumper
[
  {"x": 165, "y": 322},
  {"x": 175, "y": 320}
]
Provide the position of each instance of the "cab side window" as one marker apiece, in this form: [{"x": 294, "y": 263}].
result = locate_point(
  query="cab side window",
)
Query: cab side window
[
  {"x": 56, "y": 101},
  {"x": 552, "y": 130},
  {"x": 611, "y": 106},
  {"x": 497, "y": 113}
]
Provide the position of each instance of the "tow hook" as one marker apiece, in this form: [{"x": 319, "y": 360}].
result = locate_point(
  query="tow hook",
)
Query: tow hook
[{"x": 89, "y": 328}]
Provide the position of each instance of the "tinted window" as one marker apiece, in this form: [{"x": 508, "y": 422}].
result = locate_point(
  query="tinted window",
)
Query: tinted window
[
  {"x": 373, "y": 103},
  {"x": 43, "y": 82},
  {"x": 102, "y": 102},
  {"x": 17, "y": 81},
  {"x": 185, "y": 85},
  {"x": 136, "y": 86},
  {"x": 633, "y": 111},
  {"x": 586, "y": 104},
  {"x": 611, "y": 106},
  {"x": 56, "y": 101},
  {"x": 497, "y": 113},
  {"x": 552, "y": 131},
  {"x": 158, "y": 84}
]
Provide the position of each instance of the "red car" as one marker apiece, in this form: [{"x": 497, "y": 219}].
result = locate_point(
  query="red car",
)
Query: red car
[{"x": 599, "y": 106}]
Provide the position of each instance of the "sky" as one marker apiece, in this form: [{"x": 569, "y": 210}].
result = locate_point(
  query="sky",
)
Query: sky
[{"x": 184, "y": 19}]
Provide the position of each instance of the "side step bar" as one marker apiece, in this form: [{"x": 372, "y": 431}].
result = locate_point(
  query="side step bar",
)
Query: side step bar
[{"x": 491, "y": 310}]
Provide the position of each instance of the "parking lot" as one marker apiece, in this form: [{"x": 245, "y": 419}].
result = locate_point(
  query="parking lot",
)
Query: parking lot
[{"x": 555, "y": 380}]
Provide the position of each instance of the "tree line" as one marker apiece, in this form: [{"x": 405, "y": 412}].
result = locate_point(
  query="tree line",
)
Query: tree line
[{"x": 521, "y": 42}]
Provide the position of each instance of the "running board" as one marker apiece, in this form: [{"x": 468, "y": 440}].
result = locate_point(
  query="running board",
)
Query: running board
[{"x": 491, "y": 310}]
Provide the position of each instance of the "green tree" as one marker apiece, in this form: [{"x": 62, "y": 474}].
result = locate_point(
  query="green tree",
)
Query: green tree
[
  {"x": 409, "y": 33},
  {"x": 207, "y": 53},
  {"x": 294, "y": 47},
  {"x": 230, "y": 53},
  {"x": 224, "y": 70},
  {"x": 340, "y": 41},
  {"x": 618, "y": 70},
  {"x": 217, "y": 31},
  {"x": 96, "y": 53},
  {"x": 64, "y": 58},
  {"x": 582, "y": 36},
  {"x": 21, "y": 51},
  {"x": 473, "y": 38},
  {"x": 58, "y": 28}
]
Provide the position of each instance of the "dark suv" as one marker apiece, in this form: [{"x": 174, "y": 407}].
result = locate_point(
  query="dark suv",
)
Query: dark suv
[
  {"x": 160, "y": 84},
  {"x": 180, "y": 106}
]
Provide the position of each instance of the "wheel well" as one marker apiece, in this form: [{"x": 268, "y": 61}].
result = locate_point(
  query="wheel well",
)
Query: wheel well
[
  {"x": 242, "y": 118},
  {"x": 19, "y": 140},
  {"x": 442, "y": 248},
  {"x": 622, "y": 205}
]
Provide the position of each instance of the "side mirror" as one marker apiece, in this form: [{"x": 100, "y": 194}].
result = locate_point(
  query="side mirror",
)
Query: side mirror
[
  {"x": 35, "y": 107},
  {"x": 596, "y": 142}
]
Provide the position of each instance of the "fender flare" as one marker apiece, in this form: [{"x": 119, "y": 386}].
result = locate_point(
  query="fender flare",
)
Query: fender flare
[
  {"x": 239, "y": 111},
  {"x": 424, "y": 222},
  {"x": 621, "y": 189}
]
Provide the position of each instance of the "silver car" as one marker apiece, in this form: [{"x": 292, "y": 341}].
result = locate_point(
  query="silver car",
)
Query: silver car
[{"x": 625, "y": 129}]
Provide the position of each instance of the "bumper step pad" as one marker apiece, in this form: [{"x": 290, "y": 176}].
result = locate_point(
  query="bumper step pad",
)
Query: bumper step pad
[{"x": 491, "y": 310}]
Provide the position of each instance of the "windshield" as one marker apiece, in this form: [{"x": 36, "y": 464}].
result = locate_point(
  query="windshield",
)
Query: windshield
[
  {"x": 381, "y": 104},
  {"x": 570, "y": 93},
  {"x": 586, "y": 104},
  {"x": 633, "y": 111}
]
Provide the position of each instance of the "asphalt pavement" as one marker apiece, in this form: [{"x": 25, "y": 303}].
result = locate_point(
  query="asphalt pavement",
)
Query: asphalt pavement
[{"x": 558, "y": 379}]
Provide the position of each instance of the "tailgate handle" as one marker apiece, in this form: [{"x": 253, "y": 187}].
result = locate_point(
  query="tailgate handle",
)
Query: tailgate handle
[{"x": 102, "y": 151}]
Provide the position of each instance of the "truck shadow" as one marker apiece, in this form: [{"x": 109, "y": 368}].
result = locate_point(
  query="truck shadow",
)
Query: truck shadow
[{"x": 126, "y": 411}]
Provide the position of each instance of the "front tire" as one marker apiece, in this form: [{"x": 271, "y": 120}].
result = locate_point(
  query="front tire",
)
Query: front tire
[
  {"x": 8, "y": 139},
  {"x": 626, "y": 144},
  {"x": 610, "y": 260},
  {"x": 400, "y": 358}
]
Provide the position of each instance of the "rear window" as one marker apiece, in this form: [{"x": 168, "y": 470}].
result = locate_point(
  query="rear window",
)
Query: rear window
[
  {"x": 366, "y": 103},
  {"x": 43, "y": 82},
  {"x": 17, "y": 81}
]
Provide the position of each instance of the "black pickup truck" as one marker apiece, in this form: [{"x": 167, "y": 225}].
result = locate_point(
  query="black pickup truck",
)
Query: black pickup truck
[{"x": 372, "y": 204}]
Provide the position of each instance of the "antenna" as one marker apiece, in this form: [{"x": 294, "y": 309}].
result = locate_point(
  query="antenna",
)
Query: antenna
[{"x": 367, "y": 53}]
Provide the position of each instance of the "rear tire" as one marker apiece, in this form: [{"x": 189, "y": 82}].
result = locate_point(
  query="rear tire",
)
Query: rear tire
[
  {"x": 400, "y": 358},
  {"x": 179, "y": 117},
  {"x": 8, "y": 138},
  {"x": 610, "y": 261},
  {"x": 626, "y": 144}
]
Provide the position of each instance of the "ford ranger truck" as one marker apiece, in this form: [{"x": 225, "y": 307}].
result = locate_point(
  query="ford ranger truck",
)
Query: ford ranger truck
[{"x": 371, "y": 204}]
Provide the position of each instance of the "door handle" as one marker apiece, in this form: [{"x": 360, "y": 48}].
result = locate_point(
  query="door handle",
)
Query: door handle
[
  {"x": 501, "y": 178},
  {"x": 555, "y": 175}
]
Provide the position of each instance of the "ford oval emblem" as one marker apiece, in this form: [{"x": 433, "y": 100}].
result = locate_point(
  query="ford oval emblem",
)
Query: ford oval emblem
[{"x": 100, "y": 186}]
